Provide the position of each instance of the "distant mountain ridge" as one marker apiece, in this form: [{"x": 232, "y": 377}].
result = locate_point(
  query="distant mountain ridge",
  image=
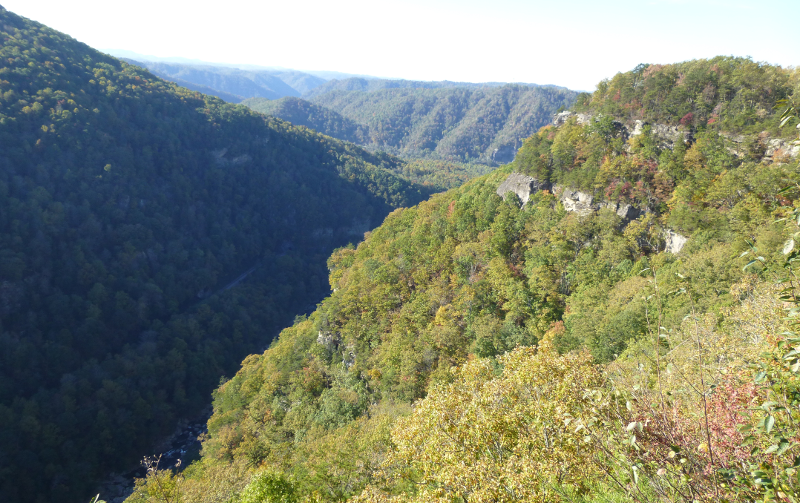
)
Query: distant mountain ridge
[
  {"x": 233, "y": 84},
  {"x": 368, "y": 85},
  {"x": 445, "y": 121}
]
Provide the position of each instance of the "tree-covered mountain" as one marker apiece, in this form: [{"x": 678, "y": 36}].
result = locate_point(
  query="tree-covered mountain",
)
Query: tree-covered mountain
[
  {"x": 305, "y": 113},
  {"x": 373, "y": 84},
  {"x": 458, "y": 124},
  {"x": 130, "y": 206},
  {"x": 733, "y": 95},
  {"x": 535, "y": 335},
  {"x": 480, "y": 124},
  {"x": 439, "y": 175},
  {"x": 450, "y": 121}
]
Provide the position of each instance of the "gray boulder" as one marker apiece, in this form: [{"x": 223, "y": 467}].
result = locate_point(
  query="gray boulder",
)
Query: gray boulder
[{"x": 522, "y": 185}]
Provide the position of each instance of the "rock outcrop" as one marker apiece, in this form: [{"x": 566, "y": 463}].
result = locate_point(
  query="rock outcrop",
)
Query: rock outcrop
[
  {"x": 779, "y": 150},
  {"x": 521, "y": 185},
  {"x": 563, "y": 117},
  {"x": 219, "y": 158},
  {"x": 582, "y": 203},
  {"x": 576, "y": 201},
  {"x": 665, "y": 134},
  {"x": 674, "y": 241},
  {"x": 668, "y": 136},
  {"x": 331, "y": 340},
  {"x": 776, "y": 149}
]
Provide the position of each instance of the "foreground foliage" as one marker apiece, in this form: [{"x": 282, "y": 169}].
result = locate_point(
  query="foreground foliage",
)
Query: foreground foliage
[{"x": 511, "y": 437}]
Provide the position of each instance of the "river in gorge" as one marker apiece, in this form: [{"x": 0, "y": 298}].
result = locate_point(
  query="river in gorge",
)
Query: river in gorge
[{"x": 179, "y": 449}]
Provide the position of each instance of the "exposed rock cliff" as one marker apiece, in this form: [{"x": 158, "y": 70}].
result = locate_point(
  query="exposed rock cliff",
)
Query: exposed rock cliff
[
  {"x": 563, "y": 117},
  {"x": 674, "y": 241},
  {"x": 776, "y": 149},
  {"x": 521, "y": 185},
  {"x": 666, "y": 134},
  {"x": 573, "y": 200},
  {"x": 582, "y": 203}
]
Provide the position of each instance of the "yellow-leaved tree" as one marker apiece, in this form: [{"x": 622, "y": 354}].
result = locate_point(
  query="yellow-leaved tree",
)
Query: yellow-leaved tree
[{"x": 513, "y": 432}]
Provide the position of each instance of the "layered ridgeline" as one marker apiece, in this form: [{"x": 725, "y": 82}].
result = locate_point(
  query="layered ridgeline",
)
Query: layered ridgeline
[
  {"x": 130, "y": 208},
  {"x": 483, "y": 124},
  {"x": 616, "y": 248},
  {"x": 375, "y": 84},
  {"x": 235, "y": 84}
]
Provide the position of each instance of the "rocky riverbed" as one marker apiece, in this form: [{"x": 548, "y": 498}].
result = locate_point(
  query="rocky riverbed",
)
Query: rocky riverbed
[{"x": 177, "y": 447}]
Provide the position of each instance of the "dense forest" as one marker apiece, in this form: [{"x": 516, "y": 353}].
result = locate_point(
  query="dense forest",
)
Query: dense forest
[
  {"x": 474, "y": 124},
  {"x": 373, "y": 84},
  {"x": 305, "y": 113},
  {"x": 476, "y": 348},
  {"x": 458, "y": 122},
  {"x": 438, "y": 175},
  {"x": 129, "y": 206},
  {"x": 531, "y": 334},
  {"x": 731, "y": 95}
]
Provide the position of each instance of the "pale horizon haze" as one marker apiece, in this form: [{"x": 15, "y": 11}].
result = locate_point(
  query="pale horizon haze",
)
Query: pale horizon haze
[{"x": 572, "y": 44}]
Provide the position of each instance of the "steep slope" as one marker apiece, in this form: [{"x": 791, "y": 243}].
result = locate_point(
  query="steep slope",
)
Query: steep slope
[
  {"x": 484, "y": 124},
  {"x": 522, "y": 255},
  {"x": 734, "y": 95},
  {"x": 230, "y": 98},
  {"x": 304, "y": 113},
  {"x": 128, "y": 205}
]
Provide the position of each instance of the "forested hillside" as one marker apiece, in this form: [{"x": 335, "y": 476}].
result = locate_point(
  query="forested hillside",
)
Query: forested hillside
[
  {"x": 304, "y": 113},
  {"x": 129, "y": 205},
  {"x": 373, "y": 84},
  {"x": 436, "y": 174},
  {"x": 456, "y": 124},
  {"x": 551, "y": 352},
  {"x": 732, "y": 95},
  {"x": 459, "y": 124}
]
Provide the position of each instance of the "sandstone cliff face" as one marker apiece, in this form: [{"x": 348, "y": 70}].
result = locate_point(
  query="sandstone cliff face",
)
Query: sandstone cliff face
[
  {"x": 667, "y": 135},
  {"x": 576, "y": 201},
  {"x": 523, "y": 186},
  {"x": 563, "y": 117},
  {"x": 674, "y": 241},
  {"x": 582, "y": 203},
  {"x": 776, "y": 149}
]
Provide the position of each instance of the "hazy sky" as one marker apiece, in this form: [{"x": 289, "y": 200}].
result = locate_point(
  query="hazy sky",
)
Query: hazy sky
[{"x": 571, "y": 43}]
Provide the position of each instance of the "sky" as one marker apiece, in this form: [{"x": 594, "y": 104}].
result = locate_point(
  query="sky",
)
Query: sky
[{"x": 569, "y": 43}]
